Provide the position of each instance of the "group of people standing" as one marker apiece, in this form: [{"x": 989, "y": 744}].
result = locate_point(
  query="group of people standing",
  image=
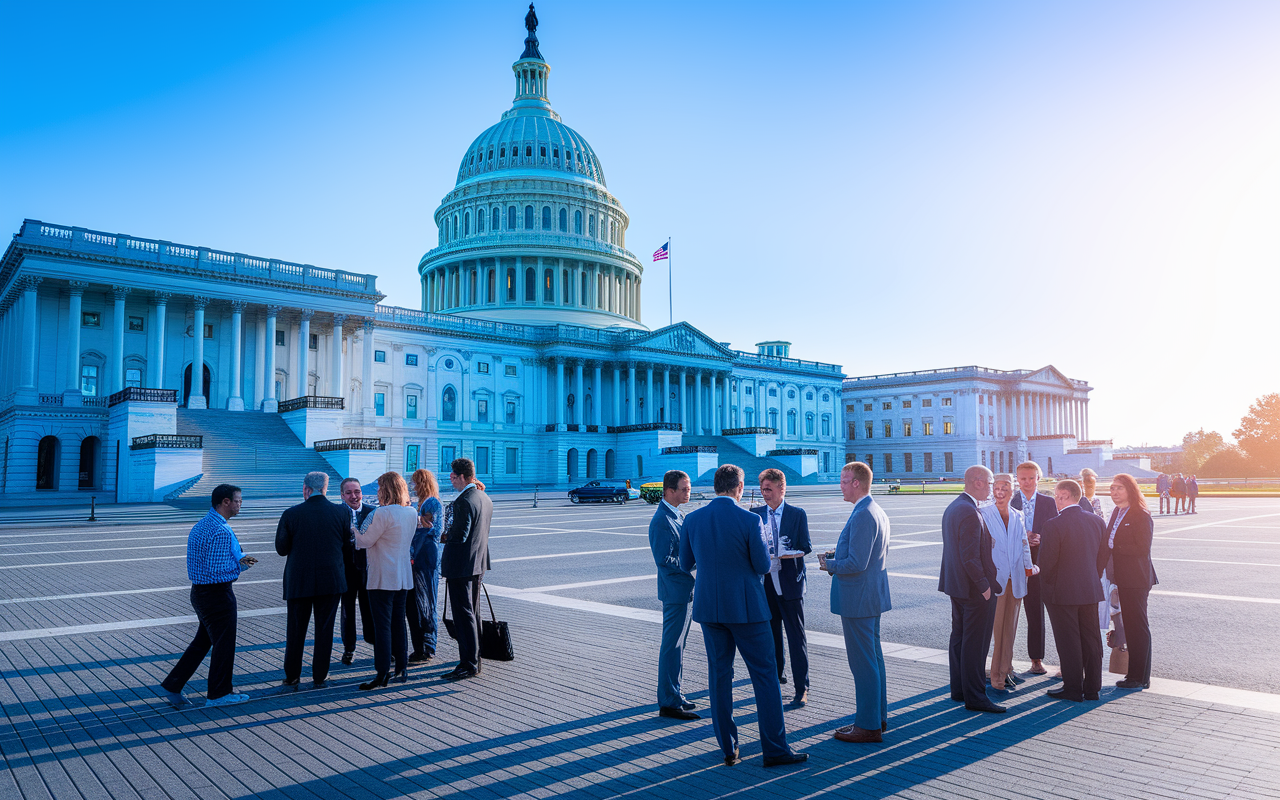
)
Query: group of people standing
[
  {"x": 1057, "y": 555},
  {"x": 1177, "y": 494},
  {"x": 740, "y": 574},
  {"x": 385, "y": 560}
]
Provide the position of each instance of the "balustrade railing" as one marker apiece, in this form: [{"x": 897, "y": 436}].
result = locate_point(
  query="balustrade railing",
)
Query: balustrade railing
[
  {"x": 166, "y": 441},
  {"x": 792, "y": 451},
  {"x": 572, "y": 427},
  {"x": 646, "y": 426},
  {"x": 310, "y": 401},
  {"x": 757, "y": 431},
  {"x": 689, "y": 448},
  {"x": 50, "y": 399},
  {"x": 329, "y": 445},
  {"x": 593, "y": 429},
  {"x": 139, "y": 394},
  {"x": 95, "y": 402}
]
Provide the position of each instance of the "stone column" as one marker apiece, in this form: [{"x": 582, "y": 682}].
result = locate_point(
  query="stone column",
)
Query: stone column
[
  {"x": 464, "y": 396},
  {"x": 366, "y": 377},
  {"x": 236, "y": 402},
  {"x": 579, "y": 399},
  {"x": 161, "y": 301},
  {"x": 724, "y": 408},
  {"x": 650, "y": 412},
  {"x": 1086, "y": 418},
  {"x": 259, "y": 353},
  {"x": 631, "y": 393},
  {"x": 697, "y": 402},
  {"x": 685, "y": 422},
  {"x": 559, "y": 393},
  {"x": 197, "y": 399},
  {"x": 304, "y": 352},
  {"x": 119, "y": 293},
  {"x": 757, "y": 387},
  {"x": 617, "y": 395},
  {"x": 30, "y": 340},
  {"x": 715, "y": 407},
  {"x": 666, "y": 394},
  {"x": 597, "y": 399},
  {"x": 73, "y": 344},
  {"x": 270, "y": 402},
  {"x": 335, "y": 377}
]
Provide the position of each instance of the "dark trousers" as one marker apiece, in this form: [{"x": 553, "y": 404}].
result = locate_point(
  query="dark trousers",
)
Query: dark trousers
[
  {"x": 1033, "y": 607},
  {"x": 421, "y": 603},
  {"x": 788, "y": 614},
  {"x": 355, "y": 593},
  {"x": 972, "y": 622},
  {"x": 392, "y": 640},
  {"x": 1137, "y": 629},
  {"x": 752, "y": 640},
  {"x": 325, "y": 607},
  {"x": 1079, "y": 643},
  {"x": 215, "y": 606},
  {"x": 464, "y": 596}
]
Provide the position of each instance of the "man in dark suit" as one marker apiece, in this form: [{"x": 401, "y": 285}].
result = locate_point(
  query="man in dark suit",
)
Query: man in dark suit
[
  {"x": 786, "y": 527},
  {"x": 1070, "y": 574},
  {"x": 311, "y": 536},
  {"x": 860, "y": 594},
  {"x": 1037, "y": 509},
  {"x": 726, "y": 544},
  {"x": 968, "y": 576},
  {"x": 464, "y": 561},
  {"x": 675, "y": 590},
  {"x": 355, "y": 562}
]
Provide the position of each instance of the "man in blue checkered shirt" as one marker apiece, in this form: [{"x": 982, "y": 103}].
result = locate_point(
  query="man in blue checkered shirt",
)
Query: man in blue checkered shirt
[{"x": 214, "y": 561}]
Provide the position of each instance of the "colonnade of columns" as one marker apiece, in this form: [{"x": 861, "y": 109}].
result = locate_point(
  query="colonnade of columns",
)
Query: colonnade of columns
[
  {"x": 1036, "y": 414},
  {"x": 572, "y": 284},
  {"x": 641, "y": 395}
]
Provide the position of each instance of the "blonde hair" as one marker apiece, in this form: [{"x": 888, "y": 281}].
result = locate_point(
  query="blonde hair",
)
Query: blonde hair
[
  {"x": 1029, "y": 465},
  {"x": 861, "y": 473},
  {"x": 425, "y": 484},
  {"x": 392, "y": 490},
  {"x": 1088, "y": 473},
  {"x": 1003, "y": 477}
]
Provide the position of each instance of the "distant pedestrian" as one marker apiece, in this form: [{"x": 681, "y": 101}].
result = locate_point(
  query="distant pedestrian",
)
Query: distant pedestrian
[
  {"x": 1011, "y": 554},
  {"x": 1128, "y": 544},
  {"x": 464, "y": 561},
  {"x": 387, "y": 535},
  {"x": 787, "y": 528},
  {"x": 1069, "y": 571},
  {"x": 420, "y": 605},
  {"x": 311, "y": 537},
  {"x": 1179, "y": 491},
  {"x": 1193, "y": 491},
  {"x": 357, "y": 565},
  {"x": 860, "y": 595},
  {"x": 675, "y": 592},
  {"x": 1163, "y": 485},
  {"x": 214, "y": 561},
  {"x": 1090, "y": 501}
]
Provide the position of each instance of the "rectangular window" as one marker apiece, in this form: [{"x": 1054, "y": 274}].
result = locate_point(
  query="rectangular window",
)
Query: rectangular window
[
  {"x": 410, "y": 458},
  {"x": 928, "y": 428},
  {"x": 90, "y": 319},
  {"x": 379, "y": 404},
  {"x": 313, "y": 341},
  {"x": 926, "y": 404},
  {"x": 906, "y": 404},
  {"x": 981, "y": 402},
  {"x": 906, "y": 462},
  {"x": 906, "y": 427},
  {"x": 509, "y": 370},
  {"x": 808, "y": 425},
  {"x": 279, "y": 338},
  {"x": 482, "y": 461},
  {"x": 982, "y": 426},
  {"x": 411, "y": 406},
  {"x": 888, "y": 462},
  {"x": 826, "y": 462},
  {"x": 886, "y": 406},
  {"x": 137, "y": 324},
  {"x": 853, "y": 431},
  {"x": 928, "y": 462},
  {"x": 991, "y": 425},
  {"x": 511, "y": 412},
  {"x": 870, "y": 425},
  {"x": 984, "y": 458},
  {"x": 866, "y": 406},
  {"x": 380, "y": 356},
  {"x": 946, "y": 401},
  {"x": 826, "y": 426},
  {"x": 948, "y": 462},
  {"x": 482, "y": 411},
  {"x": 133, "y": 377},
  {"x": 482, "y": 367},
  {"x": 870, "y": 461},
  {"x": 411, "y": 359},
  {"x": 513, "y": 460},
  {"x": 89, "y": 380},
  {"x": 208, "y": 330},
  {"x": 748, "y": 388},
  {"x": 948, "y": 428},
  {"x": 888, "y": 430},
  {"x": 447, "y": 454}
]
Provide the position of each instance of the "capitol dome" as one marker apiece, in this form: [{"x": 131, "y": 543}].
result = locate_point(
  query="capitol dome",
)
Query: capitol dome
[{"x": 530, "y": 232}]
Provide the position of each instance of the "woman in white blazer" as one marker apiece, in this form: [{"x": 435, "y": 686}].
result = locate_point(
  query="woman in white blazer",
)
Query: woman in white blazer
[
  {"x": 385, "y": 537},
  {"x": 1012, "y": 556}
]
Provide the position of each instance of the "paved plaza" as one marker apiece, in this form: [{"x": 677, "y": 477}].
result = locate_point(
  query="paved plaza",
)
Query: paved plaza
[{"x": 95, "y": 614}]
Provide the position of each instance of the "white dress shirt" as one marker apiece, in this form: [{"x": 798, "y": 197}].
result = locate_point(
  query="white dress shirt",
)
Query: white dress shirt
[{"x": 775, "y": 541}]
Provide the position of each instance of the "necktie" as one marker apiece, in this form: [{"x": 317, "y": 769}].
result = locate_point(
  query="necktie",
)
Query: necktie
[{"x": 773, "y": 523}]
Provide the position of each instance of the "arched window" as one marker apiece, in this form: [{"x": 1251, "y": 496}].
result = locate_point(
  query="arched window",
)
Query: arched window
[
  {"x": 511, "y": 218},
  {"x": 826, "y": 424},
  {"x": 528, "y": 151},
  {"x": 750, "y": 416},
  {"x": 546, "y": 218},
  {"x": 497, "y": 219},
  {"x": 480, "y": 221},
  {"x": 548, "y": 286},
  {"x": 577, "y": 222},
  {"x": 491, "y": 152},
  {"x": 47, "y": 453},
  {"x": 466, "y": 223},
  {"x": 591, "y": 225},
  {"x": 773, "y": 418},
  {"x": 791, "y": 423},
  {"x": 583, "y": 301},
  {"x": 455, "y": 226},
  {"x": 90, "y": 449},
  {"x": 492, "y": 291},
  {"x": 564, "y": 221},
  {"x": 502, "y": 151},
  {"x": 528, "y": 218},
  {"x": 808, "y": 424},
  {"x": 568, "y": 287},
  {"x": 449, "y": 405},
  {"x": 511, "y": 285},
  {"x": 530, "y": 285}
]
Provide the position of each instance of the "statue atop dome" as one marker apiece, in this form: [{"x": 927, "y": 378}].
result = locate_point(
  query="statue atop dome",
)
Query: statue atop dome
[{"x": 531, "y": 41}]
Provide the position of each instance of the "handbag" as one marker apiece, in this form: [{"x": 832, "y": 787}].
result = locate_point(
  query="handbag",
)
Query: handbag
[
  {"x": 495, "y": 636},
  {"x": 1119, "y": 661},
  {"x": 449, "y": 624}
]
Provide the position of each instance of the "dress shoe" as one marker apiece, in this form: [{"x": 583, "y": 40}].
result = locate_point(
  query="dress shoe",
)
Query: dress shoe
[
  {"x": 290, "y": 682},
  {"x": 324, "y": 684},
  {"x": 460, "y": 674},
  {"x": 1090, "y": 695},
  {"x": 1015, "y": 679},
  {"x": 401, "y": 677},
  {"x": 177, "y": 699},
  {"x": 884, "y": 726},
  {"x": 226, "y": 700},
  {"x": 677, "y": 713},
  {"x": 729, "y": 761},
  {"x": 419, "y": 658},
  {"x": 782, "y": 679},
  {"x": 1128, "y": 684},
  {"x": 801, "y": 699},
  {"x": 857, "y": 735},
  {"x": 687, "y": 706},
  {"x": 989, "y": 707},
  {"x": 955, "y": 699},
  {"x": 789, "y": 758},
  {"x": 1061, "y": 694},
  {"x": 378, "y": 682},
  {"x": 348, "y": 656}
]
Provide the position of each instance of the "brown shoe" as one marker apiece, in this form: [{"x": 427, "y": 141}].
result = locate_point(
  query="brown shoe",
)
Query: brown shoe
[{"x": 858, "y": 735}]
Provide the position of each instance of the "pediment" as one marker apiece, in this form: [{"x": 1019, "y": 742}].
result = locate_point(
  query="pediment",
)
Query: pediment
[
  {"x": 682, "y": 339},
  {"x": 1048, "y": 375}
]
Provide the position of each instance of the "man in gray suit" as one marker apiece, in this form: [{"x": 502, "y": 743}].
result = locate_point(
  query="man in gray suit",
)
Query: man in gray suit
[
  {"x": 463, "y": 563},
  {"x": 675, "y": 590},
  {"x": 860, "y": 594}
]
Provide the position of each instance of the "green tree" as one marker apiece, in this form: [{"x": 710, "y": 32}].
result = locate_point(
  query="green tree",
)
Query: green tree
[
  {"x": 1197, "y": 446},
  {"x": 1229, "y": 462},
  {"x": 1259, "y": 433}
]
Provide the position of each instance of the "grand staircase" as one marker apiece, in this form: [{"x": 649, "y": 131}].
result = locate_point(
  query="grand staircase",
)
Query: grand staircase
[
  {"x": 257, "y": 452},
  {"x": 752, "y": 465}
]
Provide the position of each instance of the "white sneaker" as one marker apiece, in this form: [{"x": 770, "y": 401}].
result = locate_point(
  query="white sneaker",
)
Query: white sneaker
[{"x": 227, "y": 700}]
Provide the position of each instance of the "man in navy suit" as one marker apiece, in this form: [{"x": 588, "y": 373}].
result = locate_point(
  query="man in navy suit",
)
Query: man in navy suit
[
  {"x": 726, "y": 544},
  {"x": 675, "y": 590},
  {"x": 786, "y": 527},
  {"x": 1070, "y": 578},
  {"x": 968, "y": 576},
  {"x": 1037, "y": 509},
  {"x": 860, "y": 594}
]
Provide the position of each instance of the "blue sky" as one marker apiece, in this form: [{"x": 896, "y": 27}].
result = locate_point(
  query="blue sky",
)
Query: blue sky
[{"x": 891, "y": 186}]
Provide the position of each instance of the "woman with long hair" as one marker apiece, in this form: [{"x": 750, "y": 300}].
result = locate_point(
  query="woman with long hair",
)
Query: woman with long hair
[
  {"x": 1129, "y": 536},
  {"x": 386, "y": 536},
  {"x": 1012, "y": 556},
  {"x": 421, "y": 605}
]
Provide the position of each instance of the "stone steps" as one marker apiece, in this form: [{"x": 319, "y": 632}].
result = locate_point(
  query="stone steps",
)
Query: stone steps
[{"x": 752, "y": 465}]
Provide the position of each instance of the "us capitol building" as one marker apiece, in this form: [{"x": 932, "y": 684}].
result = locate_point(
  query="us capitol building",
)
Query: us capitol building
[{"x": 144, "y": 370}]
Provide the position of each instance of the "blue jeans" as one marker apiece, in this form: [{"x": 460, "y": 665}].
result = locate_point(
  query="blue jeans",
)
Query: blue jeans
[
  {"x": 421, "y": 605},
  {"x": 675, "y": 632}
]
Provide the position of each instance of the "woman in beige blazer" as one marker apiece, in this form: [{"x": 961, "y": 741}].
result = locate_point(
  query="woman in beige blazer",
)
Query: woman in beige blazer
[{"x": 385, "y": 537}]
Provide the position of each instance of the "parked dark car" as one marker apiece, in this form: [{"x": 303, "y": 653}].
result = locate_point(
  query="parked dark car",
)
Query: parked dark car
[{"x": 603, "y": 492}]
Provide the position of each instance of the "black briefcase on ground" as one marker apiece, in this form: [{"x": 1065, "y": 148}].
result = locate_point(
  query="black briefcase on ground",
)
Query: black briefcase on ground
[
  {"x": 444, "y": 617},
  {"x": 495, "y": 637}
]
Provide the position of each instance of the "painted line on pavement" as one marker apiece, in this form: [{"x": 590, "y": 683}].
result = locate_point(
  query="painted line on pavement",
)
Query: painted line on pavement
[
  {"x": 585, "y": 584},
  {"x": 1217, "y": 541},
  {"x": 124, "y": 625},
  {"x": 912, "y": 544},
  {"x": 1218, "y": 522},
  {"x": 118, "y": 592},
  {"x": 123, "y": 560},
  {"x": 910, "y": 575},
  {"x": 1200, "y": 561},
  {"x": 565, "y": 555},
  {"x": 1197, "y": 595},
  {"x": 106, "y": 549}
]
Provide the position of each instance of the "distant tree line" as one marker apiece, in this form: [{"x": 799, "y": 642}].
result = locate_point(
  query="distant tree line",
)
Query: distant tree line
[{"x": 1255, "y": 454}]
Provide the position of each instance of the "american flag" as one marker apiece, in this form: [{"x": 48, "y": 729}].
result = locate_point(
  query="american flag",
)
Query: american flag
[{"x": 661, "y": 253}]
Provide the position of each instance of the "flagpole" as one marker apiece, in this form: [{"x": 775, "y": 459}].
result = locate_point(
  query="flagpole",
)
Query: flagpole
[{"x": 671, "y": 317}]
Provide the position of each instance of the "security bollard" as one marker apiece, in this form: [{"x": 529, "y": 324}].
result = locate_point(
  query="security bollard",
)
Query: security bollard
[
  {"x": 535, "y": 497},
  {"x": 93, "y": 504}
]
